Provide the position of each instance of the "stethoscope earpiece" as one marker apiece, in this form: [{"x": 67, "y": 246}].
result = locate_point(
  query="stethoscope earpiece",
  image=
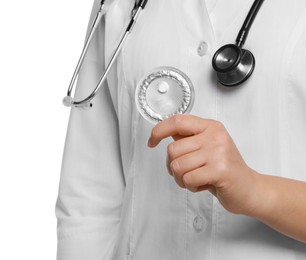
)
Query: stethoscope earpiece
[
  {"x": 67, "y": 101},
  {"x": 233, "y": 65}
]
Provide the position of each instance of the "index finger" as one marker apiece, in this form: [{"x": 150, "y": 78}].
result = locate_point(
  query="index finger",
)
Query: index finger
[{"x": 182, "y": 125}]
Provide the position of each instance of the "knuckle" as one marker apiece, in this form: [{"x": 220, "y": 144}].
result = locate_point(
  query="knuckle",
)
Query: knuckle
[
  {"x": 175, "y": 167},
  {"x": 220, "y": 150},
  {"x": 187, "y": 178},
  {"x": 217, "y": 124},
  {"x": 179, "y": 182},
  {"x": 170, "y": 150},
  {"x": 222, "y": 168},
  {"x": 188, "y": 181},
  {"x": 221, "y": 137},
  {"x": 178, "y": 120}
]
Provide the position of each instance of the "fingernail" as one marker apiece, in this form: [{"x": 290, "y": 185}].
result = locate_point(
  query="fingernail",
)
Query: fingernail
[
  {"x": 193, "y": 189},
  {"x": 149, "y": 143}
]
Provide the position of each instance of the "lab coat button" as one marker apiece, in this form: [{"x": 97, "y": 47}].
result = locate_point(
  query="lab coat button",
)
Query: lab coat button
[
  {"x": 203, "y": 48},
  {"x": 199, "y": 224}
]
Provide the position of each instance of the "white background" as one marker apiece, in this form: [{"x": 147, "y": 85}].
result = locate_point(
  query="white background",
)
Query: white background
[{"x": 40, "y": 42}]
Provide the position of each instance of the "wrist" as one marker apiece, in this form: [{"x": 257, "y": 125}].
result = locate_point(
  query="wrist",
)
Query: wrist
[{"x": 262, "y": 196}]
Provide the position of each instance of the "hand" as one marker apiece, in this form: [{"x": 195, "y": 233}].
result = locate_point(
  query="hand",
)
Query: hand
[{"x": 204, "y": 157}]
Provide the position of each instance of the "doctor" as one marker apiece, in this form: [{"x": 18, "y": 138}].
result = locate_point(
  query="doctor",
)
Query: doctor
[{"x": 236, "y": 188}]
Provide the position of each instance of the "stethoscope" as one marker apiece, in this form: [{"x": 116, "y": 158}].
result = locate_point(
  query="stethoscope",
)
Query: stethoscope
[{"x": 232, "y": 63}]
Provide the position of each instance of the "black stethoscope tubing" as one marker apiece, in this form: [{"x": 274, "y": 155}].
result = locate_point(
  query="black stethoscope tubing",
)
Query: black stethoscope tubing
[{"x": 234, "y": 65}]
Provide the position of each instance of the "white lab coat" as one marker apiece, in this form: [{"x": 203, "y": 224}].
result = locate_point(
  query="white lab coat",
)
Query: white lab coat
[{"x": 116, "y": 200}]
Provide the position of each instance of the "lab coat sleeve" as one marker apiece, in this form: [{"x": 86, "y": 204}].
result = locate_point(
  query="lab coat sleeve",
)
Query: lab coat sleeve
[{"x": 92, "y": 183}]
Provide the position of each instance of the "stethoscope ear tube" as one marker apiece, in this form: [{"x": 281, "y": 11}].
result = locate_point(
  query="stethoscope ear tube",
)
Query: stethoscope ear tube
[
  {"x": 69, "y": 100},
  {"x": 142, "y": 3}
]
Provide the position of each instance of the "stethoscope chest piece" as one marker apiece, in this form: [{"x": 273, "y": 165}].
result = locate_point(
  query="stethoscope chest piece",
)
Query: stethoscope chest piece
[
  {"x": 166, "y": 91},
  {"x": 233, "y": 65}
]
